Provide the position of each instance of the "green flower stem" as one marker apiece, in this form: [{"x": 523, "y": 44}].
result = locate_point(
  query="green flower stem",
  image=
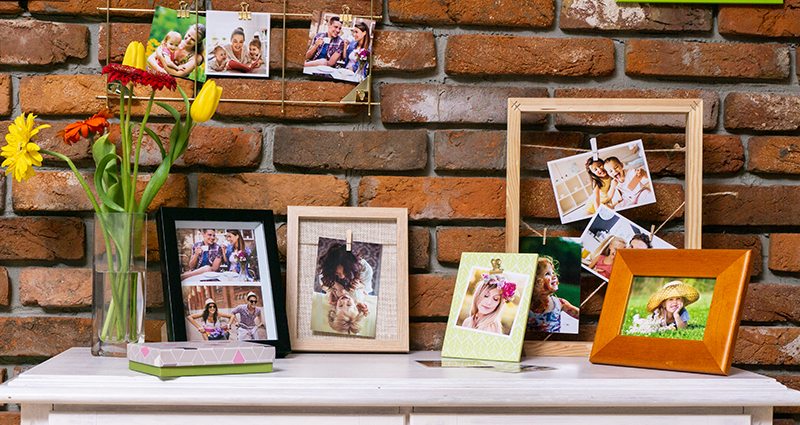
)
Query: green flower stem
[
  {"x": 139, "y": 146},
  {"x": 77, "y": 174}
]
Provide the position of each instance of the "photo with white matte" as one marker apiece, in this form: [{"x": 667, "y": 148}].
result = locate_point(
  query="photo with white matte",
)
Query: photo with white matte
[{"x": 237, "y": 47}]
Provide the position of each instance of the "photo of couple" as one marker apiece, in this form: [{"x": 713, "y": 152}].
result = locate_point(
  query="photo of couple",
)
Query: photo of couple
[
  {"x": 231, "y": 312},
  {"x": 237, "y": 47},
  {"x": 608, "y": 232},
  {"x": 668, "y": 307},
  {"x": 345, "y": 298},
  {"x": 617, "y": 178},
  {"x": 492, "y": 300},
  {"x": 217, "y": 255},
  {"x": 177, "y": 45},
  {"x": 339, "y": 51}
]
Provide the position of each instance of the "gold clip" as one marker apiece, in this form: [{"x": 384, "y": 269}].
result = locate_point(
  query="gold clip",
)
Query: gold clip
[
  {"x": 361, "y": 95},
  {"x": 245, "y": 13},
  {"x": 348, "y": 240},
  {"x": 346, "y": 18},
  {"x": 496, "y": 266},
  {"x": 183, "y": 10},
  {"x": 544, "y": 237}
]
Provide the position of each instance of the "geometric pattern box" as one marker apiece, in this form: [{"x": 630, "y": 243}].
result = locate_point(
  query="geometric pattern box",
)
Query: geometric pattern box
[{"x": 200, "y": 358}]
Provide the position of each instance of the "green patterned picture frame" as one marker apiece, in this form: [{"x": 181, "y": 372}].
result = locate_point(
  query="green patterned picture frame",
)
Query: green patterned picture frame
[{"x": 496, "y": 334}]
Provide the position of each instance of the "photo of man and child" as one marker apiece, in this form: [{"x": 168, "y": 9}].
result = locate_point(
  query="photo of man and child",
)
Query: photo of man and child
[
  {"x": 337, "y": 51},
  {"x": 218, "y": 255},
  {"x": 228, "y": 312},
  {"x": 177, "y": 45},
  {"x": 345, "y": 298},
  {"x": 491, "y": 301},
  {"x": 668, "y": 307},
  {"x": 237, "y": 47},
  {"x": 606, "y": 233},
  {"x": 618, "y": 179}
]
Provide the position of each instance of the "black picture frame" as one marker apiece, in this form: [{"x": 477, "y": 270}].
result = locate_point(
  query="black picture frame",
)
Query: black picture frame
[{"x": 169, "y": 220}]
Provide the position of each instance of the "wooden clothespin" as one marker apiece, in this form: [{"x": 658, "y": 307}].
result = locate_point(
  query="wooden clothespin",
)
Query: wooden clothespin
[
  {"x": 348, "y": 240},
  {"x": 496, "y": 266},
  {"x": 245, "y": 12},
  {"x": 652, "y": 231},
  {"x": 593, "y": 145},
  {"x": 544, "y": 237}
]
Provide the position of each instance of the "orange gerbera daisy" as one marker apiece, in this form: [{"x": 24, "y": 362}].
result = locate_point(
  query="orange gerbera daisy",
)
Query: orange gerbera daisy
[{"x": 95, "y": 125}]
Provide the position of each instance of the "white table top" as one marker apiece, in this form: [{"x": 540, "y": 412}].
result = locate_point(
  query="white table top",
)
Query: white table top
[{"x": 77, "y": 377}]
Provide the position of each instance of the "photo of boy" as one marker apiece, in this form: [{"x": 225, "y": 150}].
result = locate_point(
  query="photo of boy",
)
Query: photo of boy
[{"x": 339, "y": 50}]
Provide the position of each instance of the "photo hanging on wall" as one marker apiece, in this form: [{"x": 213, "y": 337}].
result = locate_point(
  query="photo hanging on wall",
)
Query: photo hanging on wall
[
  {"x": 237, "y": 47},
  {"x": 339, "y": 50},
  {"x": 176, "y": 45}
]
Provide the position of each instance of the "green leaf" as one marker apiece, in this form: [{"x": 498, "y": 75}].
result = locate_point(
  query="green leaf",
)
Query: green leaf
[
  {"x": 102, "y": 147},
  {"x": 154, "y": 185},
  {"x": 155, "y": 137},
  {"x": 101, "y": 180},
  {"x": 171, "y": 110}
]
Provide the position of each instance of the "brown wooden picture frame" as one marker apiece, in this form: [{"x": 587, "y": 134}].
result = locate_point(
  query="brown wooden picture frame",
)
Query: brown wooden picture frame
[
  {"x": 305, "y": 225},
  {"x": 730, "y": 268}
]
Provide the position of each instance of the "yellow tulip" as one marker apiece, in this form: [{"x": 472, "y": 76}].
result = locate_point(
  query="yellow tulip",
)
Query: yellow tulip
[
  {"x": 205, "y": 104},
  {"x": 134, "y": 55}
]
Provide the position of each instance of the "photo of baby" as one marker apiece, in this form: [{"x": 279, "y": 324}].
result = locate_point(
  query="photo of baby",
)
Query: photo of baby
[
  {"x": 608, "y": 232},
  {"x": 668, "y": 307},
  {"x": 557, "y": 285},
  {"x": 176, "y": 45},
  {"x": 345, "y": 297},
  {"x": 339, "y": 50},
  {"x": 236, "y": 47},
  {"x": 229, "y": 312},
  {"x": 617, "y": 178},
  {"x": 492, "y": 300}
]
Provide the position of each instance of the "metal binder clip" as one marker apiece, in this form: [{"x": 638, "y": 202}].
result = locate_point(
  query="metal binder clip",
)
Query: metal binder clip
[
  {"x": 346, "y": 18},
  {"x": 183, "y": 10},
  {"x": 496, "y": 266},
  {"x": 245, "y": 13}
]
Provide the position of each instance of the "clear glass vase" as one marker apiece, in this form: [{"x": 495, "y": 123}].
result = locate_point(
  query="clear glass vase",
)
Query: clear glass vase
[{"x": 119, "y": 266}]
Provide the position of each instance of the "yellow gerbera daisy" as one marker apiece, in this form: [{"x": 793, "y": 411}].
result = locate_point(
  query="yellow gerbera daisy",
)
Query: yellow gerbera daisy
[{"x": 22, "y": 154}]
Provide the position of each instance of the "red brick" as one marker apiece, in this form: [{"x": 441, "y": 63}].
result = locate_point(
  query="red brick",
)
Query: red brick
[
  {"x": 76, "y": 95},
  {"x": 5, "y": 289},
  {"x": 453, "y": 104},
  {"x": 774, "y": 154},
  {"x": 38, "y": 238},
  {"x": 754, "y": 206},
  {"x": 608, "y": 15},
  {"x": 122, "y": 33},
  {"x": 30, "y": 42},
  {"x": 479, "y": 54},
  {"x": 663, "y": 58},
  {"x": 419, "y": 247},
  {"x": 270, "y": 191},
  {"x": 486, "y": 150},
  {"x": 10, "y": 8},
  {"x": 767, "y": 346},
  {"x": 762, "y": 112},
  {"x": 141, "y": 8},
  {"x": 507, "y": 13},
  {"x": 763, "y": 21},
  {"x": 710, "y": 108},
  {"x": 723, "y": 241},
  {"x": 10, "y": 418},
  {"x": 43, "y": 336},
  {"x": 426, "y": 336},
  {"x": 6, "y": 94},
  {"x": 61, "y": 191},
  {"x": 771, "y": 303},
  {"x": 56, "y": 287},
  {"x": 722, "y": 154},
  {"x": 153, "y": 255},
  {"x": 436, "y": 197},
  {"x": 430, "y": 294},
  {"x": 209, "y": 146},
  {"x": 395, "y": 150},
  {"x": 357, "y": 7},
  {"x": 452, "y": 241},
  {"x": 154, "y": 289},
  {"x": 152, "y": 330},
  {"x": 784, "y": 252}
]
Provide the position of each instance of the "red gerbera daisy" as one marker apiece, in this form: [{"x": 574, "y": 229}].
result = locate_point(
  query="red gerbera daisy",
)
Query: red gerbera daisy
[
  {"x": 95, "y": 125},
  {"x": 126, "y": 74}
]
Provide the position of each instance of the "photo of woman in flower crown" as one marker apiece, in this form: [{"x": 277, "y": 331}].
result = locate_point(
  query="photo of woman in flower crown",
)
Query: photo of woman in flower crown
[{"x": 491, "y": 302}]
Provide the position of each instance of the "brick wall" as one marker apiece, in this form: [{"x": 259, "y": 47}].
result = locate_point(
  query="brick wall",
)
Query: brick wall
[{"x": 436, "y": 144}]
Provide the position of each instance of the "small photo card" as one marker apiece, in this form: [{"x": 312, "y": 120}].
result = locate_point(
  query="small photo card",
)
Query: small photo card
[
  {"x": 616, "y": 177},
  {"x": 176, "y": 45},
  {"x": 237, "y": 47},
  {"x": 339, "y": 50},
  {"x": 607, "y": 232},
  {"x": 490, "y": 306}
]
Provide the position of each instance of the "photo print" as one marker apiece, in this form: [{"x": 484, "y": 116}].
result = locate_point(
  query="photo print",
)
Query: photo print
[
  {"x": 668, "y": 307},
  {"x": 339, "y": 51},
  {"x": 607, "y": 232},
  {"x": 218, "y": 255},
  {"x": 226, "y": 312},
  {"x": 618, "y": 179},
  {"x": 236, "y": 47},
  {"x": 346, "y": 287},
  {"x": 491, "y": 301},
  {"x": 177, "y": 45},
  {"x": 557, "y": 285}
]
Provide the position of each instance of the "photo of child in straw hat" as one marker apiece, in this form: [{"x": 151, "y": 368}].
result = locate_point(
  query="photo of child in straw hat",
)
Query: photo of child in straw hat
[{"x": 668, "y": 307}]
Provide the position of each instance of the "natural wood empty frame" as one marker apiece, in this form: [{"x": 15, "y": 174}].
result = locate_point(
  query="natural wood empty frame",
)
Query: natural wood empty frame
[{"x": 692, "y": 109}]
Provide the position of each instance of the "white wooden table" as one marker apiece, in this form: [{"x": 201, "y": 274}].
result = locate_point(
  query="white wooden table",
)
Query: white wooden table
[{"x": 390, "y": 389}]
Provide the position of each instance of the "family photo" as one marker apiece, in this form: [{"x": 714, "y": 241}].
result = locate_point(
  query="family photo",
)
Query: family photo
[
  {"x": 339, "y": 50},
  {"x": 346, "y": 287},
  {"x": 618, "y": 179},
  {"x": 491, "y": 301},
  {"x": 227, "y": 312},
  {"x": 608, "y": 232},
  {"x": 237, "y": 47},
  {"x": 668, "y": 307},
  {"x": 557, "y": 285},
  {"x": 177, "y": 45},
  {"x": 218, "y": 255}
]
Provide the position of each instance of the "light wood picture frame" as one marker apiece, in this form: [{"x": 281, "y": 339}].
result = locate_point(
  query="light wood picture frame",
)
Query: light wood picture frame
[
  {"x": 713, "y": 354},
  {"x": 311, "y": 233}
]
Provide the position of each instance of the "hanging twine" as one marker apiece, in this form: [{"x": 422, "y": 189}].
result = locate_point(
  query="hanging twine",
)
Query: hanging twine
[{"x": 676, "y": 148}]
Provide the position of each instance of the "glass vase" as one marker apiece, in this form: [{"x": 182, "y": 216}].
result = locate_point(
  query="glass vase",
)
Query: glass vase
[{"x": 118, "y": 297}]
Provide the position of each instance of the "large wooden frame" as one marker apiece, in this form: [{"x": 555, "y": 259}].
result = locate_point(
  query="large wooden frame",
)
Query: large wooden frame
[
  {"x": 730, "y": 268},
  {"x": 305, "y": 225},
  {"x": 692, "y": 109}
]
